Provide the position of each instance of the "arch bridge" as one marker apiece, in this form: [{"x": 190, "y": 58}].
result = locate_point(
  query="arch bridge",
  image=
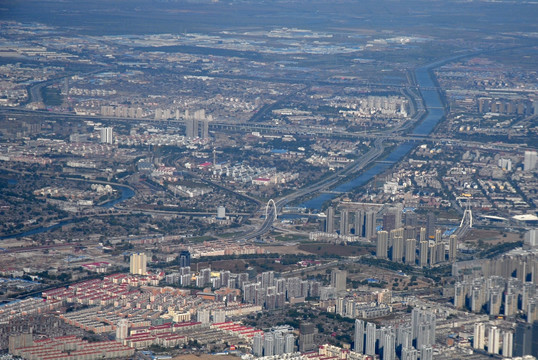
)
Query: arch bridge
[{"x": 271, "y": 203}]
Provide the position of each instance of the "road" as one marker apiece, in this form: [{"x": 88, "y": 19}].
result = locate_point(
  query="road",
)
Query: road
[
  {"x": 296, "y": 130},
  {"x": 321, "y": 185},
  {"x": 34, "y": 91}
]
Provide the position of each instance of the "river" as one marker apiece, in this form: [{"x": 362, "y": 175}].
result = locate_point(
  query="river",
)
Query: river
[
  {"x": 126, "y": 193},
  {"x": 435, "y": 114}
]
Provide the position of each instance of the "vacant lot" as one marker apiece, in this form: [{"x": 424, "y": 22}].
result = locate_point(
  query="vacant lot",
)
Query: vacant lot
[
  {"x": 241, "y": 265},
  {"x": 206, "y": 357},
  {"x": 335, "y": 250},
  {"x": 491, "y": 237}
]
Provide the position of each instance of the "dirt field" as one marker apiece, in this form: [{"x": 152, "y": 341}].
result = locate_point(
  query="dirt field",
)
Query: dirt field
[
  {"x": 241, "y": 265},
  {"x": 491, "y": 237},
  {"x": 285, "y": 250},
  {"x": 332, "y": 249},
  {"x": 205, "y": 357}
]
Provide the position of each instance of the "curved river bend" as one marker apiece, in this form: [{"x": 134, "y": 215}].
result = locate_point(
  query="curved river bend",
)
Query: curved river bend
[
  {"x": 126, "y": 193},
  {"x": 436, "y": 112}
]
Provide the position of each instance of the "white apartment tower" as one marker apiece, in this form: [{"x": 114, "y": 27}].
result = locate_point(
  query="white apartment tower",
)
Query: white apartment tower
[
  {"x": 107, "y": 135},
  {"x": 138, "y": 263}
]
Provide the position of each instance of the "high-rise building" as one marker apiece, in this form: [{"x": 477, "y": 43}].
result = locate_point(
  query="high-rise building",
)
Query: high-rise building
[
  {"x": 122, "y": 329},
  {"x": 358, "y": 219},
  {"x": 438, "y": 235},
  {"x": 184, "y": 259},
  {"x": 452, "y": 248},
  {"x": 508, "y": 343},
  {"x": 397, "y": 210},
  {"x": 369, "y": 224},
  {"x": 532, "y": 310},
  {"x": 423, "y": 253},
  {"x": 203, "y": 316},
  {"x": 495, "y": 301},
  {"x": 478, "y": 295},
  {"x": 426, "y": 353},
  {"x": 422, "y": 235},
  {"x": 196, "y": 126},
  {"x": 224, "y": 277},
  {"x": 221, "y": 213},
  {"x": 410, "y": 251},
  {"x": 423, "y": 327},
  {"x": 306, "y": 337},
  {"x": 268, "y": 345},
  {"x": 459, "y": 295},
  {"x": 339, "y": 279},
  {"x": 389, "y": 345},
  {"x": 494, "y": 340},
  {"x": 534, "y": 342},
  {"x": 410, "y": 233},
  {"x": 365, "y": 223},
  {"x": 339, "y": 306},
  {"x": 370, "y": 339},
  {"x": 389, "y": 221},
  {"x": 505, "y": 164},
  {"x": 382, "y": 245},
  {"x": 358, "y": 345},
  {"x": 479, "y": 336},
  {"x": 138, "y": 263},
  {"x": 523, "y": 339},
  {"x": 531, "y": 239},
  {"x": 329, "y": 221},
  {"x": 510, "y": 304},
  {"x": 409, "y": 353},
  {"x": 280, "y": 344},
  {"x": 403, "y": 338},
  {"x": 257, "y": 344},
  {"x": 290, "y": 343},
  {"x": 399, "y": 232},
  {"x": 218, "y": 315},
  {"x": 397, "y": 249},
  {"x": 344, "y": 222},
  {"x": 529, "y": 160},
  {"x": 432, "y": 255},
  {"x": 185, "y": 280},
  {"x": 205, "y": 275},
  {"x": 430, "y": 225},
  {"x": 190, "y": 126},
  {"x": 411, "y": 219},
  {"x": 267, "y": 278},
  {"x": 107, "y": 135},
  {"x": 439, "y": 252}
]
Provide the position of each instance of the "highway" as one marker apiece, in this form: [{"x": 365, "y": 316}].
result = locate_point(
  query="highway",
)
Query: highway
[{"x": 296, "y": 130}]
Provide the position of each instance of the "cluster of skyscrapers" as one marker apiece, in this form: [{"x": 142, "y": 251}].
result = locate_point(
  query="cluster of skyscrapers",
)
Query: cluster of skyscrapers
[
  {"x": 495, "y": 341},
  {"x": 271, "y": 293},
  {"x": 400, "y": 245},
  {"x": 205, "y": 277},
  {"x": 276, "y": 342},
  {"x": 197, "y": 124},
  {"x": 517, "y": 106},
  {"x": 409, "y": 342},
  {"x": 400, "y": 240},
  {"x": 358, "y": 222},
  {"x": 498, "y": 296},
  {"x": 520, "y": 263},
  {"x": 526, "y": 339}
]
